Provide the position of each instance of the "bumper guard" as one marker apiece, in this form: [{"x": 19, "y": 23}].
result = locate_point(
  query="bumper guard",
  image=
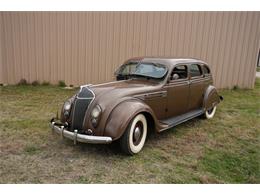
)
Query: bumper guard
[{"x": 77, "y": 137}]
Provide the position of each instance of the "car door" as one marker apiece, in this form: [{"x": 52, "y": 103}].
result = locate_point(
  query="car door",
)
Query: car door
[
  {"x": 197, "y": 87},
  {"x": 157, "y": 100},
  {"x": 177, "y": 91}
]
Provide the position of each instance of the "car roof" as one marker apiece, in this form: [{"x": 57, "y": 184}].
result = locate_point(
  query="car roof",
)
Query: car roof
[{"x": 168, "y": 61}]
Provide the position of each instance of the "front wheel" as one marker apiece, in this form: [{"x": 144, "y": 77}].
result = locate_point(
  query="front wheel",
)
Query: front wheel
[
  {"x": 134, "y": 137},
  {"x": 210, "y": 112}
]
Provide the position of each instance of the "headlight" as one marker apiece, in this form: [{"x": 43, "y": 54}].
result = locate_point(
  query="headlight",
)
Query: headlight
[
  {"x": 67, "y": 106},
  {"x": 95, "y": 114}
]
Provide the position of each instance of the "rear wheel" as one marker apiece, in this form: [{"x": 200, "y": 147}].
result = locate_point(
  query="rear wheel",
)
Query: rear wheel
[
  {"x": 210, "y": 112},
  {"x": 134, "y": 137}
]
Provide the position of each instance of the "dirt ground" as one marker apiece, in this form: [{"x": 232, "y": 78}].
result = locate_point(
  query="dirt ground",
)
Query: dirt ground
[{"x": 222, "y": 150}]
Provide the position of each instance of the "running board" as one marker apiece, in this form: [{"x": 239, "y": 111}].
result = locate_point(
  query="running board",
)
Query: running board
[{"x": 171, "y": 122}]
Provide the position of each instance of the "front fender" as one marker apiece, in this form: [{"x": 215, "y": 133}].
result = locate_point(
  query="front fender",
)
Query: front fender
[
  {"x": 211, "y": 98},
  {"x": 121, "y": 116}
]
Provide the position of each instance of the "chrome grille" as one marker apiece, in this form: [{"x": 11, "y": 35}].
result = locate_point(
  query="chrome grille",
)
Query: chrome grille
[{"x": 82, "y": 101}]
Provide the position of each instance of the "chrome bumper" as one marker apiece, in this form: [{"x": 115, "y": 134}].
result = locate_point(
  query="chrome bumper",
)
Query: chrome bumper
[{"x": 76, "y": 137}]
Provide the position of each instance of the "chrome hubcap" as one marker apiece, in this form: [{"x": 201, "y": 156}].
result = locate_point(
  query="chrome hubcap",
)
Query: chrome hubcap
[
  {"x": 210, "y": 110},
  {"x": 137, "y": 133}
]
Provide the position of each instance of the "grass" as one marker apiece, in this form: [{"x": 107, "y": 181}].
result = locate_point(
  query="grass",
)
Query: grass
[
  {"x": 61, "y": 83},
  {"x": 222, "y": 150},
  {"x": 257, "y": 69}
]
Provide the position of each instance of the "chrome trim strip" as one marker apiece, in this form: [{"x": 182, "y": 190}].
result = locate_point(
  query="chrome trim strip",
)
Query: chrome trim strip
[
  {"x": 177, "y": 84},
  {"x": 155, "y": 93},
  {"x": 62, "y": 131},
  {"x": 77, "y": 137},
  {"x": 192, "y": 82},
  {"x": 87, "y": 86},
  {"x": 94, "y": 96},
  {"x": 152, "y": 95},
  {"x": 73, "y": 113},
  {"x": 82, "y": 86},
  {"x": 84, "y": 98},
  {"x": 108, "y": 83},
  {"x": 200, "y": 79}
]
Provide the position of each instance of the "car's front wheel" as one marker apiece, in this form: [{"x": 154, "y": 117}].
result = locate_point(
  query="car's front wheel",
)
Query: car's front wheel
[
  {"x": 210, "y": 112},
  {"x": 134, "y": 137}
]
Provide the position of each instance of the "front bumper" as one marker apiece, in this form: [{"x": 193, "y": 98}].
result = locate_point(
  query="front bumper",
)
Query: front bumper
[{"x": 77, "y": 137}]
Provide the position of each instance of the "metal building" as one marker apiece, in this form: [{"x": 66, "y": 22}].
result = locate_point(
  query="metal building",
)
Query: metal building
[{"x": 86, "y": 47}]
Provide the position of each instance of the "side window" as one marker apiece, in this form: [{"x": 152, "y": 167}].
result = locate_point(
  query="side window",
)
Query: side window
[
  {"x": 179, "y": 72},
  {"x": 195, "y": 70},
  {"x": 128, "y": 68},
  {"x": 205, "y": 69}
]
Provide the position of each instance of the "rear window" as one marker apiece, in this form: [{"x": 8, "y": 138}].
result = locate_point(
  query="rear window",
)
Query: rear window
[
  {"x": 195, "y": 70},
  {"x": 205, "y": 69}
]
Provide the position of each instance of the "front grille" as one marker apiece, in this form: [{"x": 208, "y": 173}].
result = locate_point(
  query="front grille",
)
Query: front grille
[{"x": 82, "y": 101}]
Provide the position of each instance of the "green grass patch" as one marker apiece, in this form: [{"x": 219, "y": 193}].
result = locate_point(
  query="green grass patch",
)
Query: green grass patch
[
  {"x": 222, "y": 150},
  {"x": 62, "y": 84},
  {"x": 31, "y": 149},
  {"x": 230, "y": 167}
]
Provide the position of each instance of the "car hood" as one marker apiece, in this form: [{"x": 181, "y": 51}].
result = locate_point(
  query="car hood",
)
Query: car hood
[
  {"x": 119, "y": 89},
  {"x": 123, "y": 88}
]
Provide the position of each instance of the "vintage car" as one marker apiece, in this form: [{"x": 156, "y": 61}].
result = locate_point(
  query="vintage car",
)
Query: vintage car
[{"x": 149, "y": 94}]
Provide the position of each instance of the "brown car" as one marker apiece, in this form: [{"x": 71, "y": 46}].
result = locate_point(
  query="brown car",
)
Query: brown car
[{"x": 149, "y": 94}]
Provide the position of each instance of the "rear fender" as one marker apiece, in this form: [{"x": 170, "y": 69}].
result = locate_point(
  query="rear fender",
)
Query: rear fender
[{"x": 211, "y": 98}]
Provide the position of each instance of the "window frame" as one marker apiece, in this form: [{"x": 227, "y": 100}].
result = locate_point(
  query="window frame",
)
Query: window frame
[
  {"x": 119, "y": 70},
  {"x": 207, "y": 67},
  {"x": 200, "y": 68},
  {"x": 183, "y": 79}
]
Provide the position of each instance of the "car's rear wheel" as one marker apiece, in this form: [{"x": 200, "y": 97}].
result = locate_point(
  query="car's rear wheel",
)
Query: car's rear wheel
[
  {"x": 134, "y": 137},
  {"x": 210, "y": 112}
]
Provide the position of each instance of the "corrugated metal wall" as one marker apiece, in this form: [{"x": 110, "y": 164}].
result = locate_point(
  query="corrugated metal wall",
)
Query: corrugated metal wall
[
  {"x": 1, "y": 51},
  {"x": 86, "y": 47}
]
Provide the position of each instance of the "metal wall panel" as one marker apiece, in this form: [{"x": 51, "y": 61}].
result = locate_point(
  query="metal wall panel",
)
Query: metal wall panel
[
  {"x": 1, "y": 50},
  {"x": 86, "y": 47}
]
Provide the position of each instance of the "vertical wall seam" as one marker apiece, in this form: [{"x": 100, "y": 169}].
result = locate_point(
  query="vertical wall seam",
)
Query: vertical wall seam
[{"x": 86, "y": 47}]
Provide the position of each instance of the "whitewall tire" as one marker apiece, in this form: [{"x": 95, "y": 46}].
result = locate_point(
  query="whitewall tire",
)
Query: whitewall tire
[
  {"x": 210, "y": 112},
  {"x": 134, "y": 137}
]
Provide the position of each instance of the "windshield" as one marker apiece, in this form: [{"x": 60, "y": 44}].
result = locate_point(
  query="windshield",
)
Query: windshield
[{"x": 151, "y": 70}]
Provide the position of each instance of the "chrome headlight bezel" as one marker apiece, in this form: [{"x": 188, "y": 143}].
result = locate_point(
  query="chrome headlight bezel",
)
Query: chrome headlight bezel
[
  {"x": 66, "y": 109},
  {"x": 67, "y": 106},
  {"x": 95, "y": 115}
]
